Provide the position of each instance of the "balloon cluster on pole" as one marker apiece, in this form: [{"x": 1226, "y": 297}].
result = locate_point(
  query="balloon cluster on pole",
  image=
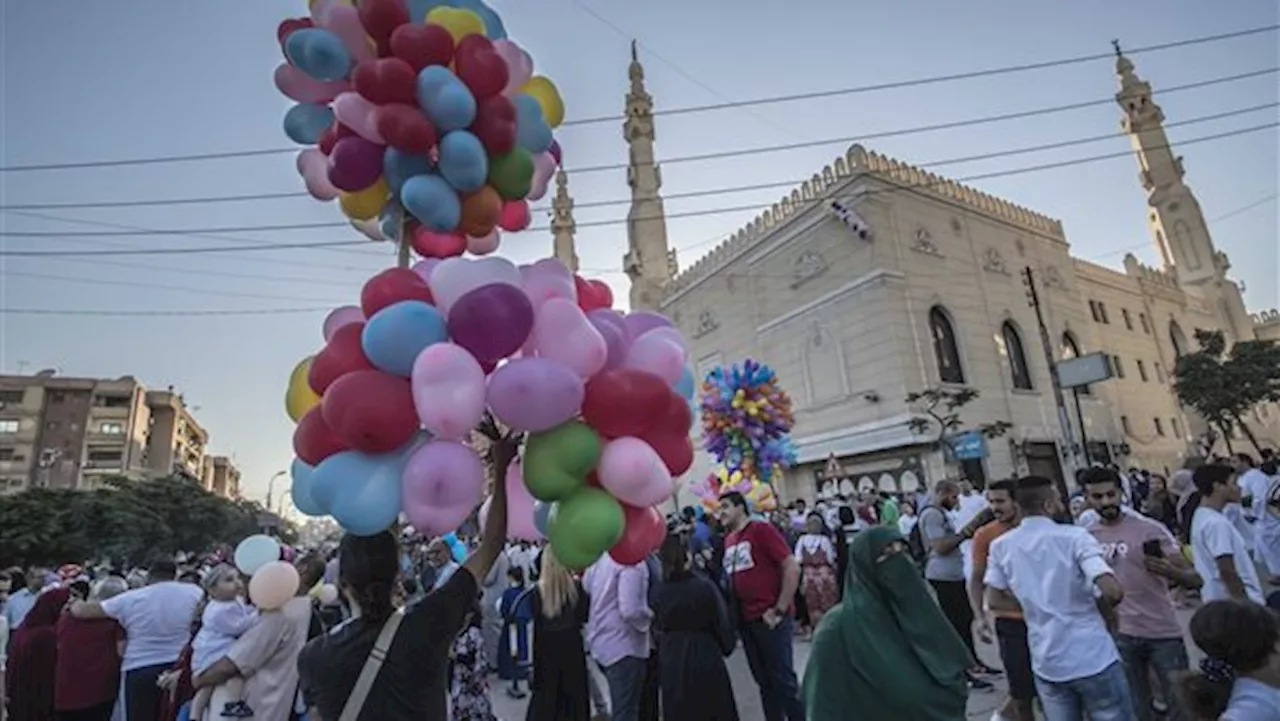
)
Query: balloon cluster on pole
[
  {"x": 422, "y": 119},
  {"x": 746, "y": 425}
]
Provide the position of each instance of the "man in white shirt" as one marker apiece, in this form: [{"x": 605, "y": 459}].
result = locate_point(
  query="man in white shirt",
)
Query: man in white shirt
[
  {"x": 1057, "y": 574},
  {"x": 1220, "y": 552}
]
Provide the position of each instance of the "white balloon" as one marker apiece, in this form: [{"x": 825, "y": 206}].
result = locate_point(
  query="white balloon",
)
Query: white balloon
[
  {"x": 255, "y": 552},
  {"x": 455, "y": 277}
]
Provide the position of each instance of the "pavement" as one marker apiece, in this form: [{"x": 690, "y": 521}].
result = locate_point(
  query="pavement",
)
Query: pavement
[{"x": 981, "y": 703}]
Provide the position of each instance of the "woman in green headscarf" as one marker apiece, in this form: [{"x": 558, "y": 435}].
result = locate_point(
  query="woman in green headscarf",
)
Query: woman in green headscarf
[{"x": 886, "y": 653}]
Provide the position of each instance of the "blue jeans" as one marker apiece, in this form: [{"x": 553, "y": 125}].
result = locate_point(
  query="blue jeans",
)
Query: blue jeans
[
  {"x": 770, "y": 657},
  {"x": 626, "y": 687},
  {"x": 1167, "y": 657},
  {"x": 1103, "y": 696}
]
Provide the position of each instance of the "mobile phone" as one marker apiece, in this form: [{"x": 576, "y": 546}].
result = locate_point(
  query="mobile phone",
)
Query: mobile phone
[{"x": 1152, "y": 548}]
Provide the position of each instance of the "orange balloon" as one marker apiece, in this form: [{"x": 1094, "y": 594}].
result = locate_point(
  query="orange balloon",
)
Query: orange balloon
[{"x": 480, "y": 212}]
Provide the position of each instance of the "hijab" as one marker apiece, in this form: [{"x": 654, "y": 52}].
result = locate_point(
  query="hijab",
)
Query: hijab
[
  {"x": 886, "y": 651},
  {"x": 32, "y": 659}
]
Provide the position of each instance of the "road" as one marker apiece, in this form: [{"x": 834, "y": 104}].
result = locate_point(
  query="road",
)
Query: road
[{"x": 981, "y": 703}]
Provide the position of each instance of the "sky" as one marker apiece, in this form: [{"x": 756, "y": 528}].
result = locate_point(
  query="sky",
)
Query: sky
[{"x": 146, "y": 78}]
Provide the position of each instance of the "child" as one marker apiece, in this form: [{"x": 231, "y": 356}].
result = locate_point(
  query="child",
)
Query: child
[
  {"x": 469, "y": 688},
  {"x": 514, "y": 657},
  {"x": 226, "y": 617}
]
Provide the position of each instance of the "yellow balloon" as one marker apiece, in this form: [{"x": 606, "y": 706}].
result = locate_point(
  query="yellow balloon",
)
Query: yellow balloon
[
  {"x": 300, "y": 398},
  {"x": 367, "y": 203},
  {"x": 541, "y": 88},
  {"x": 459, "y": 22}
]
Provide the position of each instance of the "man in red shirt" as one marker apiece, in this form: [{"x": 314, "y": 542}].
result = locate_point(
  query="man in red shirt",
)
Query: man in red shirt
[{"x": 763, "y": 576}]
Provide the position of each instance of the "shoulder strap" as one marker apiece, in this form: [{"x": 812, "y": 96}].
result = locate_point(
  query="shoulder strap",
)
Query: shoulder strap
[{"x": 369, "y": 674}]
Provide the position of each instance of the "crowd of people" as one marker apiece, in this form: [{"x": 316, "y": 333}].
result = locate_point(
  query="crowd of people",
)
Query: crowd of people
[{"x": 1081, "y": 599}]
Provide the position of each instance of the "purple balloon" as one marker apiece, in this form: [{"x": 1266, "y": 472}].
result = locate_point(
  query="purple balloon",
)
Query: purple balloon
[
  {"x": 442, "y": 483},
  {"x": 615, "y": 338},
  {"x": 641, "y": 321},
  {"x": 355, "y": 163},
  {"x": 535, "y": 394},
  {"x": 492, "y": 321}
]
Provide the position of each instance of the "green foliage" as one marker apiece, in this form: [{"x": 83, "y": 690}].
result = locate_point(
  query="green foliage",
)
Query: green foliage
[
  {"x": 940, "y": 413},
  {"x": 1223, "y": 386},
  {"x": 125, "y": 520}
]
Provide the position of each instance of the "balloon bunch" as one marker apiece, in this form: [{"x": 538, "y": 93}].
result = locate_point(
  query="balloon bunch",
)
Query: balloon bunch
[
  {"x": 759, "y": 494},
  {"x": 384, "y": 410},
  {"x": 427, "y": 122}
]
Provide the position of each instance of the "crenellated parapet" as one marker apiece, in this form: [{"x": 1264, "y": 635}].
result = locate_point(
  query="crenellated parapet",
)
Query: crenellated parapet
[
  {"x": 819, "y": 189},
  {"x": 1266, "y": 317}
]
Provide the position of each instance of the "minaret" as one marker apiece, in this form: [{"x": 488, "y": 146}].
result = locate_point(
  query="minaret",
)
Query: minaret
[
  {"x": 562, "y": 225},
  {"x": 1177, "y": 223},
  {"x": 649, "y": 263}
]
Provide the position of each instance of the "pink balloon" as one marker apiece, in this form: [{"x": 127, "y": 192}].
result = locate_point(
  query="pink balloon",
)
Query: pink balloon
[
  {"x": 344, "y": 21},
  {"x": 634, "y": 473},
  {"x": 424, "y": 267},
  {"x": 542, "y": 282},
  {"x": 353, "y": 111},
  {"x": 515, "y": 216},
  {"x": 535, "y": 394},
  {"x": 338, "y": 317},
  {"x": 448, "y": 390},
  {"x": 484, "y": 245},
  {"x": 520, "y": 525},
  {"x": 544, "y": 166},
  {"x": 442, "y": 484},
  {"x": 303, "y": 88},
  {"x": 273, "y": 585},
  {"x": 658, "y": 354},
  {"x": 519, "y": 65},
  {"x": 615, "y": 340},
  {"x": 313, "y": 166},
  {"x": 561, "y": 332},
  {"x": 455, "y": 277},
  {"x": 642, "y": 321}
]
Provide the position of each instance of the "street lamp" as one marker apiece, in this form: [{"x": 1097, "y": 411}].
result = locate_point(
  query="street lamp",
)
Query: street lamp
[{"x": 271, "y": 486}]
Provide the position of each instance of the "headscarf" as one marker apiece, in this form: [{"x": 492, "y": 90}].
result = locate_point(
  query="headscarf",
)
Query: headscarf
[
  {"x": 32, "y": 660},
  {"x": 886, "y": 653}
]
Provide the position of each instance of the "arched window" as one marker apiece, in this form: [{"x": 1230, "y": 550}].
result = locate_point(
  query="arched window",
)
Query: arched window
[
  {"x": 1018, "y": 367},
  {"x": 945, "y": 349},
  {"x": 1071, "y": 349},
  {"x": 1177, "y": 338}
]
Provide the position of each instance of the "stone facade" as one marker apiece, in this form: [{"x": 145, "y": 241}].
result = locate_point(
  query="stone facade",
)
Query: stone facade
[{"x": 854, "y": 316}]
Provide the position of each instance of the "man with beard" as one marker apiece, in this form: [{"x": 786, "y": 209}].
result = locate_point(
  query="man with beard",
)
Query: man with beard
[{"x": 1146, "y": 559}]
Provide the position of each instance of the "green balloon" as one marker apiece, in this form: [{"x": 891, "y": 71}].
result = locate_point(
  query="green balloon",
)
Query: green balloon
[
  {"x": 585, "y": 525},
  {"x": 511, "y": 174},
  {"x": 556, "y": 462}
]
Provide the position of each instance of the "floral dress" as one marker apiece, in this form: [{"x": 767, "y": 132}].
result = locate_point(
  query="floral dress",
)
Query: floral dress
[
  {"x": 817, "y": 556},
  {"x": 469, "y": 687}
]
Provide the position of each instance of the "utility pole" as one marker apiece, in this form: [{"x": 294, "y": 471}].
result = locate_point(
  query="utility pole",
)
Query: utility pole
[{"x": 1064, "y": 420}]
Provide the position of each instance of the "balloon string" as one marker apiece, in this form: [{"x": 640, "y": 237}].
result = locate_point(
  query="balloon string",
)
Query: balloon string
[{"x": 402, "y": 240}]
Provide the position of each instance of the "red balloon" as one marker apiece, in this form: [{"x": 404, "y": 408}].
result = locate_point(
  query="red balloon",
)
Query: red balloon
[
  {"x": 624, "y": 402},
  {"x": 422, "y": 45},
  {"x": 287, "y": 27},
  {"x": 592, "y": 294},
  {"x": 644, "y": 532},
  {"x": 392, "y": 286},
  {"x": 343, "y": 354},
  {"x": 371, "y": 411},
  {"x": 593, "y": 480},
  {"x": 386, "y": 80},
  {"x": 332, "y": 135},
  {"x": 495, "y": 124},
  {"x": 480, "y": 67},
  {"x": 430, "y": 244},
  {"x": 405, "y": 128},
  {"x": 515, "y": 215},
  {"x": 380, "y": 19},
  {"x": 675, "y": 449},
  {"x": 676, "y": 417},
  {"x": 313, "y": 439}
]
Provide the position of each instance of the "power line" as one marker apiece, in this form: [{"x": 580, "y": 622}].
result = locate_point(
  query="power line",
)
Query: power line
[
  {"x": 717, "y": 155},
  {"x": 142, "y": 313},
  {"x": 768, "y": 100},
  {"x": 692, "y": 194},
  {"x": 160, "y": 286}
]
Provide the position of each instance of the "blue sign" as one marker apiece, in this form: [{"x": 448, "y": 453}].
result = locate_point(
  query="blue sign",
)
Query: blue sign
[{"x": 969, "y": 445}]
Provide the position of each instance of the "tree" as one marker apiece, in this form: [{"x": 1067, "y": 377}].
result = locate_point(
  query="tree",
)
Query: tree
[
  {"x": 1222, "y": 387},
  {"x": 125, "y": 520},
  {"x": 939, "y": 413}
]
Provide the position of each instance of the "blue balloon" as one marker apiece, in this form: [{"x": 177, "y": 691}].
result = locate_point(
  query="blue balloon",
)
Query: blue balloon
[
  {"x": 463, "y": 161},
  {"x": 542, "y": 516},
  {"x": 318, "y": 53},
  {"x": 301, "y": 489},
  {"x": 456, "y": 546},
  {"x": 395, "y": 335},
  {"x": 447, "y": 101},
  {"x": 434, "y": 202},
  {"x": 398, "y": 166},
  {"x": 685, "y": 386},
  {"x": 389, "y": 220},
  {"x": 361, "y": 492},
  {"x": 493, "y": 26},
  {"x": 306, "y": 122},
  {"x": 532, "y": 132}
]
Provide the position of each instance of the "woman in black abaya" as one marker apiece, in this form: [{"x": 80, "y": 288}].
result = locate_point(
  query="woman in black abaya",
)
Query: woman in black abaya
[{"x": 696, "y": 636}]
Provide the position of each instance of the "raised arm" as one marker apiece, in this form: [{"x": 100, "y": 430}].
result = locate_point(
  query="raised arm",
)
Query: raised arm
[{"x": 502, "y": 451}]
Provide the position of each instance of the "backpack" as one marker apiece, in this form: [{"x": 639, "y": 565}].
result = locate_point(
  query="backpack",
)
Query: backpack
[{"x": 915, "y": 539}]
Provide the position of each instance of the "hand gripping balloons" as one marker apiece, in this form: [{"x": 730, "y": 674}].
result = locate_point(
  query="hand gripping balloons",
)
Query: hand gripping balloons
[
  {"x": 255, "y": 552},
  {"x": 643, "y": 533},
  {"x": 585, "y": 525},
  {"x": 634, "y": 473},
  {"x": 556, "y": 462},
  {"x": 443, "y": 482},
  {"x": 535, "y": 394},
  {"x": 520, "y": 508},
  {"x": 448, "y": 390},
  {"x": 273, "y": 585}
]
